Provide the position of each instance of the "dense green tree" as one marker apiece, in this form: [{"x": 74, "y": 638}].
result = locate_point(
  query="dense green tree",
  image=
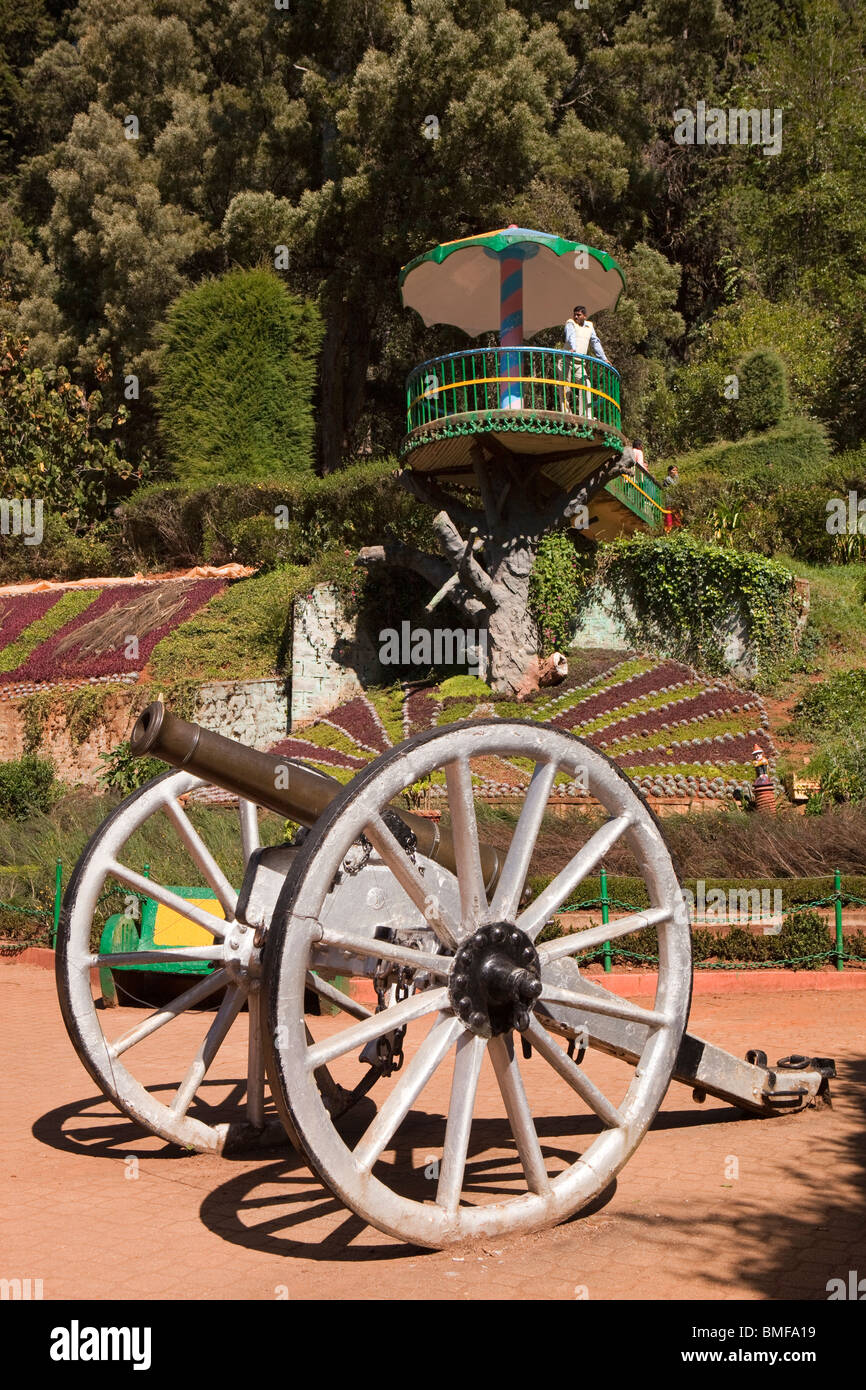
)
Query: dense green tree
[{"x": 300, "y": 136}]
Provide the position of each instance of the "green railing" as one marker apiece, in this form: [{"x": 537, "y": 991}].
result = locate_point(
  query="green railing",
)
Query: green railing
[
  {"x": 522, "y": 379},
  {"x": 643, "y": 495}
]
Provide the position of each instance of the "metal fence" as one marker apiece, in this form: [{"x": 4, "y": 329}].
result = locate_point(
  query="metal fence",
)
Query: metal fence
[{"x": 516, "y": 378}]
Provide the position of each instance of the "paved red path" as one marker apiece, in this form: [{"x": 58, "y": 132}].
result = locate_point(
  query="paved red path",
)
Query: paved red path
[{"x": 678, "y": 1224}]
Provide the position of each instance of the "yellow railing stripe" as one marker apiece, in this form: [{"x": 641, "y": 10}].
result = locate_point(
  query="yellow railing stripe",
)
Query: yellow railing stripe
[{"x": 536, "y": 380}]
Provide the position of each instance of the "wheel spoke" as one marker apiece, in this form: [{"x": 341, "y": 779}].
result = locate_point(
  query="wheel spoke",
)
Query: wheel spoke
[
  {"x": 149, "y": 888},
  {"x": 385, "y": 950},
  {"x": 519, "y": 1114},
  {"x": 611, "y": 1007},
  {"x": 427, "y": 1002},
  {"x": 464, "y": 830},
  {"x": 533, "y": 919},
  {"x": 156, "y": 957},
  {"x": 255, "y": 1059},
  {"x": 226, "y": 1015},
  {"x": 249, "y": 819},
  {"x": 202, "y": 857},
  {"x": 430, "y": 1054},
  {"x": 510, "y": 886},
  {"x": 467, "y": 1068},
  {"x": 549, "y": 1049},
  {"x": 596, "y": 936},
  {"x": 336, "y": 996},
  {"x": 158, "y": 1019},
  {"x": 406, "y": 873}
]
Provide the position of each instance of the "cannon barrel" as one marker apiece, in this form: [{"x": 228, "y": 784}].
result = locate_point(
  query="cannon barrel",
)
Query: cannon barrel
[{"x": 254, "y": 776}]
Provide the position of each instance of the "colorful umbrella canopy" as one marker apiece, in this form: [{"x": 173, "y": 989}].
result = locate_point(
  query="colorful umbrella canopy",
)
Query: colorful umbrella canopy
[{"x": 477, "y": 282}]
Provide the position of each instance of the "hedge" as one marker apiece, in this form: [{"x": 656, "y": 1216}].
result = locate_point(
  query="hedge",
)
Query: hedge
[
  {"x": 796, "y": 892},
  {"x": 272, "y": 524}
]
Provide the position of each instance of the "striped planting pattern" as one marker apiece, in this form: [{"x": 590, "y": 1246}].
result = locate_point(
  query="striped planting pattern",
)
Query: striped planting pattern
[{"x": 675, "y": 732}]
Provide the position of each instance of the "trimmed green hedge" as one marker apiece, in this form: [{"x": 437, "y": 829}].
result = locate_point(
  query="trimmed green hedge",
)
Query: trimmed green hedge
[
  {"x": 796, "y": 892},
  {"x": 272, "y": 524},
  {"x": 236, "y": 378},
  {"x": 804, "y": 943}
]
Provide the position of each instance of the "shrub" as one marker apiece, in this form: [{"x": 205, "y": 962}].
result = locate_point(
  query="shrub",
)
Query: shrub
[
  {"x": 842, "y": 768},
  {"x": 290, "y": 522},
  {"x": 804, "y": 934},
  {"x": 703, "y": 408},
  {"x": 763, "y": 391},
  {"x": 834, "y": 706},
  {"x": 236, "y": 379},
  {"x": 125, "y": 773},
  {"x": 27, "y": 785},
  {"x": 59, "y": 444},
  {"x": 61, "y": 554},
  {"x": 802, "y": 521}
]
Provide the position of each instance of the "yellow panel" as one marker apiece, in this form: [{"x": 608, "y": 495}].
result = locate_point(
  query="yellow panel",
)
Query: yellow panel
[{"x": 170, "y": 929}]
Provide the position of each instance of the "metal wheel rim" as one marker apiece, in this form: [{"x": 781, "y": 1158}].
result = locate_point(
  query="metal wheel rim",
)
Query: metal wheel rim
[
  {"x": 294, "y": 933},
  {"x": 75, "y": 960}
]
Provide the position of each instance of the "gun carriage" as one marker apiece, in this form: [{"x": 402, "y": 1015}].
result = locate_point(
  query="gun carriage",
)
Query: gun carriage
[{"x": 448, "y": 933}]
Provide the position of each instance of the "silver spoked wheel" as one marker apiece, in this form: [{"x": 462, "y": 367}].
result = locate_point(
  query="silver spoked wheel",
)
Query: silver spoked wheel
[
  {"x": 479, "y": 978},
  {"x": 234, "y": 970}
]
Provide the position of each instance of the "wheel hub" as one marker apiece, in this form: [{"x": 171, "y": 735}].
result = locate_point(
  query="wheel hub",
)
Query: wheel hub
[{"x": 496, "y": 980}]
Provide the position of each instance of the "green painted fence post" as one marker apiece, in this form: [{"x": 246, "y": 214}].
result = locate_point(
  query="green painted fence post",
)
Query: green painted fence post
[
  {"x": 840, "y": 945},
  {"x": 605, "y": 915},
  {"x": 58, "y": 891}
]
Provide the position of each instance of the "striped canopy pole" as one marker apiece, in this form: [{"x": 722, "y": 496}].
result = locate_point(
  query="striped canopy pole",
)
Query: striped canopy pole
[{"x": 511, "y": 325}]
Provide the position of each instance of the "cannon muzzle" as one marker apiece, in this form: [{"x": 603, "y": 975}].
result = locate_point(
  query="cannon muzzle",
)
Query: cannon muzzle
[{"x": 255, "y": 776}]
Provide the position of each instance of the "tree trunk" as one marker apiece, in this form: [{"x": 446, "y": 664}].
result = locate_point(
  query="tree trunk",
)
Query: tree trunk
[
  {"x": 330, "y": 411},
  {"x": 511, "y": 629}
]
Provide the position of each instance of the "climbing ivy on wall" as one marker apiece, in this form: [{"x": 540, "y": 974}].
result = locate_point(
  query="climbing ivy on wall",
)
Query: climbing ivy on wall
[
  {"x": 558, "y": 576},
  {"x": 682, "y": 592}
]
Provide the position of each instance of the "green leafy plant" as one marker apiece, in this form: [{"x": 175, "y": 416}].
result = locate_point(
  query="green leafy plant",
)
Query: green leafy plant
[
  {"x": 678, "y": 593},
  {"x": 125, "y": 773},
  {"x": 558, "y": 577},
  {"x": 28, "y": 785},
  {"x": 59, "y": 444}
]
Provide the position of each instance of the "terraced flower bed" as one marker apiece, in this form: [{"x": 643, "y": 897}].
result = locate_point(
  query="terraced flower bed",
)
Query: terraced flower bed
[
  {"x": 85, "y": 633},
  {"x": 674, "y": 732}
]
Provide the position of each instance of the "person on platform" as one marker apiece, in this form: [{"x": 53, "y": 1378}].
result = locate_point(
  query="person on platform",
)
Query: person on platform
[{"x": 582, "y": 339}]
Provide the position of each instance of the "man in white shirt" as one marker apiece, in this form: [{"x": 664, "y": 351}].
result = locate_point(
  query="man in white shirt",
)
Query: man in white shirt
[{"x": 582, "y": 339}]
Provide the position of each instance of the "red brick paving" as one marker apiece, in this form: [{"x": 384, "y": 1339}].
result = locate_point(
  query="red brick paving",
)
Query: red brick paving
[{"x": 678, "y": 1224}]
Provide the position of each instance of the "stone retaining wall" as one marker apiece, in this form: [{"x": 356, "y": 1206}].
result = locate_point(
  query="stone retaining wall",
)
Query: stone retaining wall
[
  {"x": 331, "y": 659},
  {"x": 254, "y": 712}
]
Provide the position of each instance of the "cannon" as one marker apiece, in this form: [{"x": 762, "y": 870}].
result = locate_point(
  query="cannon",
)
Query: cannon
[{"x": 447, "y": 934}]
